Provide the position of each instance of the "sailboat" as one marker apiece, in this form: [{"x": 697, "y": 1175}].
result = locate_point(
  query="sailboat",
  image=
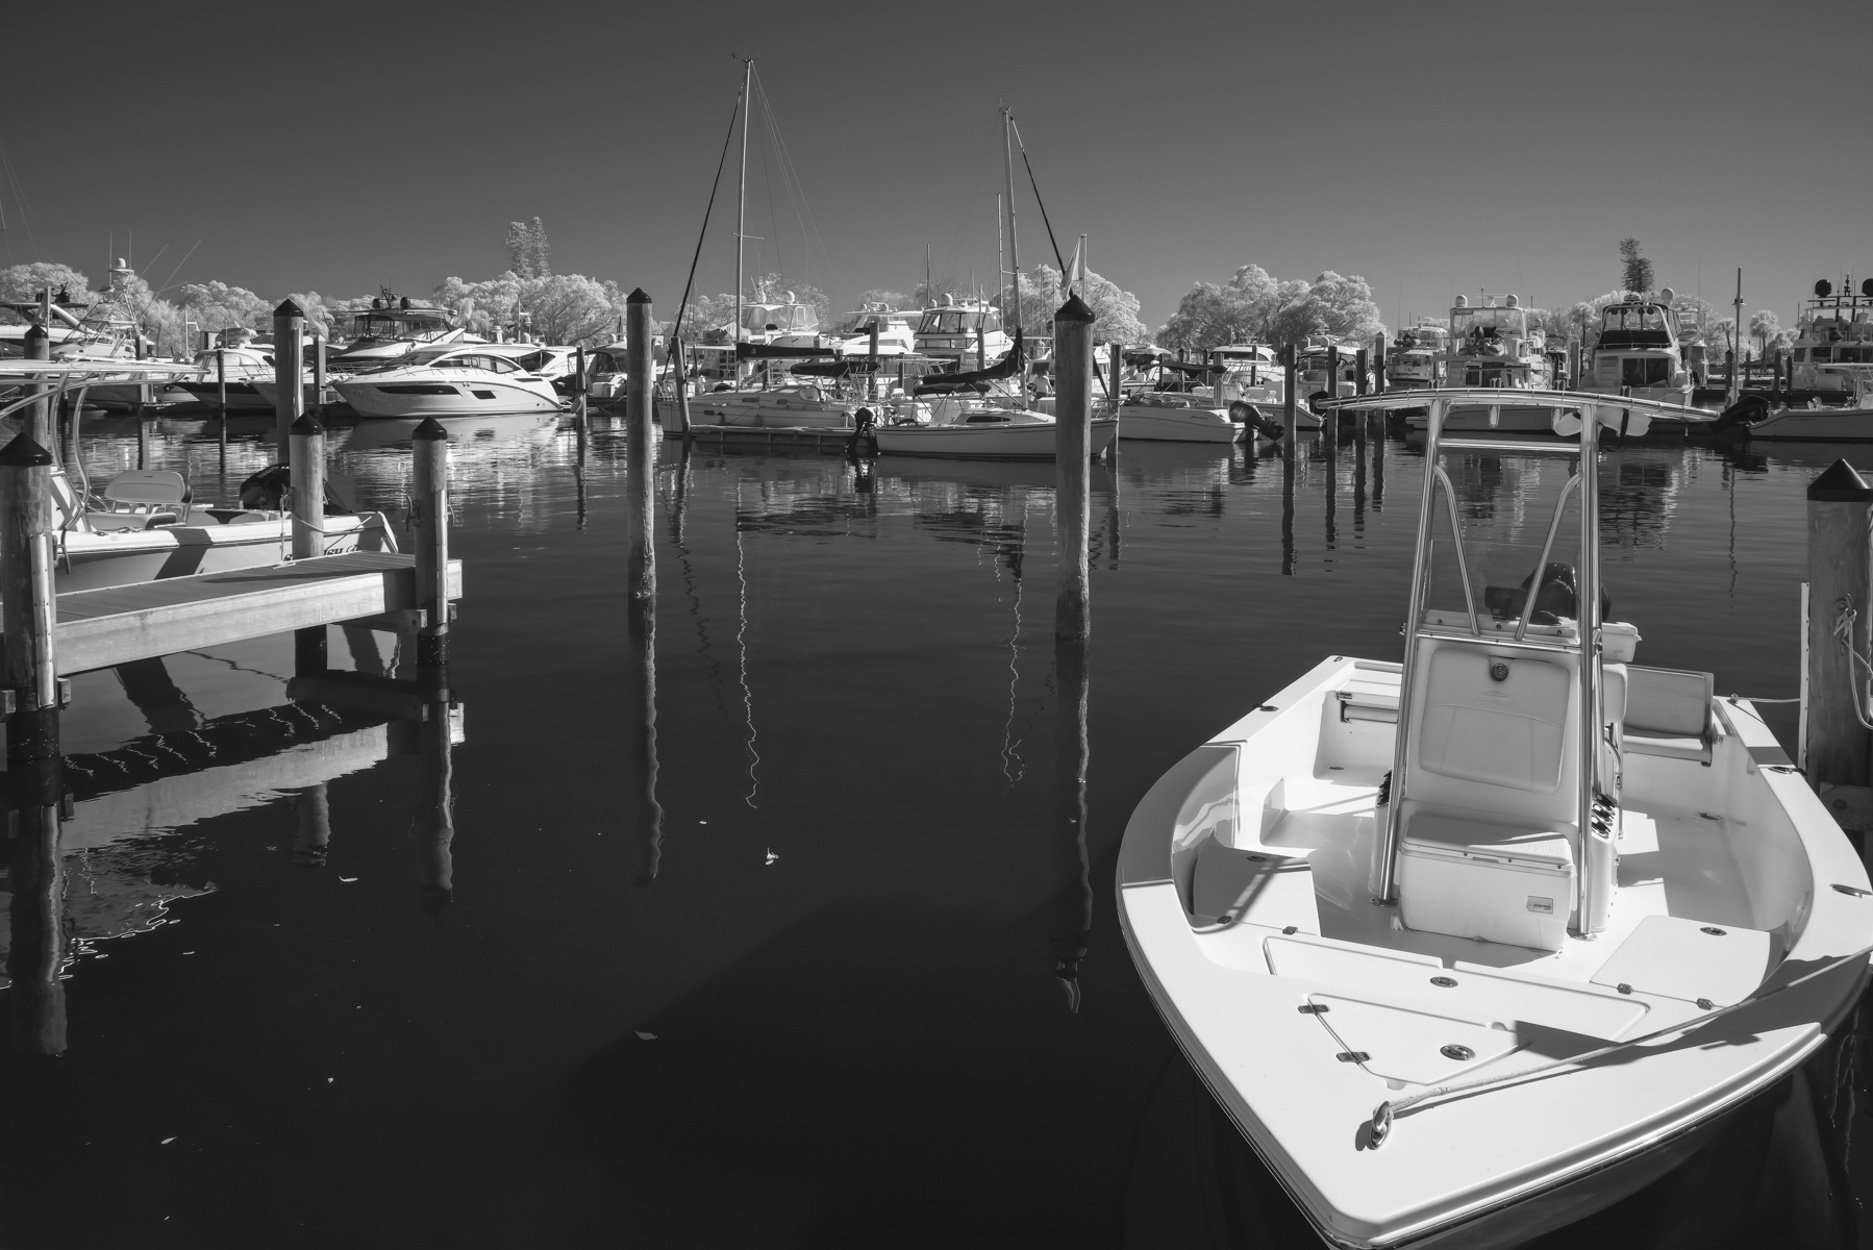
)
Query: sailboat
[
  {"x": 973, "y": 420},
  {"x": 1473, "y": 944}
]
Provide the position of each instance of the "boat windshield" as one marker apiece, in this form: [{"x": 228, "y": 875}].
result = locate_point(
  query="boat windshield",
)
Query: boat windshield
[
  {"x": 1635, "y": 317},
  {"x": 960, "y": 321},
  {"x": 1504, "y": 321},
  {"x": 1517, "y": 531},
  {"x": 785, "y": 317},
  {"x": 399, "y": 323}
]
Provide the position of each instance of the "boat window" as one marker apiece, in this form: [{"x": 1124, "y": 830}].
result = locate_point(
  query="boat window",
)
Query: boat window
[
  {"x": 947, "y": 321},
  {"x": 1644, "y": 371}
]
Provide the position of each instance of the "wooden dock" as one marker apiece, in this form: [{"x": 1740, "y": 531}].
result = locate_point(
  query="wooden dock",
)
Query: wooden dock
[{"x": 119, "y": 624}]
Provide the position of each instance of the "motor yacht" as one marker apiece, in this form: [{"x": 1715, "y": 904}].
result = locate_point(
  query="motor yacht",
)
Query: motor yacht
[
  {"x": 1638, "y": 352},
  {"x": 448, "y": 380},
  {"x": 1416, "y": 361},
  {"x": 1834, "y": 341}
]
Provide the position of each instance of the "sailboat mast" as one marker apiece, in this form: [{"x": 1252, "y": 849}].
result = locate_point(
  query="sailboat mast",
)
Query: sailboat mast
[
  {"x": 1001, "y": 258},
  {"x": 741, "y": 208},
  {"x": 1014, "y": 256}
]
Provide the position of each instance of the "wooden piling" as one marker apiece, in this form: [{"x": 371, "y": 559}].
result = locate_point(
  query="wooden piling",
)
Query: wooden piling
[
  {"x": 640, "y": 453},
  {"x": 1333, "y": 376},
  {"x": 1378, "y": 363},
  {"x": 1289, "y": 380},
  {"x": 578, "y": 387},
  {"x": 308, "y": 510},
  {"x": 27, "y": 600},
  {"x": 37, "y": 418},
  {"x": 1840, "y": 570},
  {"x": 318, "y": 376},
  {"x": 680, "y": 368},
  {"x": 289, "y": 370},
  {"x": 221, "y": 399},
  {"x": 1115, "y": 353},
  {"x": 429, "y": 526},
  {"x": 872, "y": 355},
  {"x": 1073, "y": 377}
]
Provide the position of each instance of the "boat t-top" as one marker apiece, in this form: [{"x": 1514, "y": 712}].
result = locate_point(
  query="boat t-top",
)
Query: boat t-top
[{"x": 1472, "y": 943}]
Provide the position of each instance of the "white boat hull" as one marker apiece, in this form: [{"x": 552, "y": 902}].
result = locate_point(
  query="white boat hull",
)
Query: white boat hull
[
  {"x": 378, "y": 396},
  {"x": 1821, "y": 425},
  {"x": 1164, "y": 424},
  {"x": 1244, "y": 897},
  {"x": 1016, "y": 441},
  {"x": 778, "y": 410},
  {"x": 201, "y": 544}
]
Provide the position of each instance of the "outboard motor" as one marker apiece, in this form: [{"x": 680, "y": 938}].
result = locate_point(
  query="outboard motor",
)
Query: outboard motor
[
  {"x": 1242, "y": 412},
  {"x": 1738, "y": 417}
]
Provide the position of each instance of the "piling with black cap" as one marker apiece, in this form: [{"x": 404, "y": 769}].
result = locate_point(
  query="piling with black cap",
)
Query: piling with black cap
[
  {"x": 429, "y": 535},
  {"x": 1378, "y": 363},
  {"x": 1073, "y": 434},
  {"x": 1840, "y": 569},
  {"x": 289, "y": 368},
  {"x": 308, "y": 522},
  {"x": 640, "y": 452}
]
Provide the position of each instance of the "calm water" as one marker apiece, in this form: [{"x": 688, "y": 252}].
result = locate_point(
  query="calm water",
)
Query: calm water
[{"x": 825, "y": 956}]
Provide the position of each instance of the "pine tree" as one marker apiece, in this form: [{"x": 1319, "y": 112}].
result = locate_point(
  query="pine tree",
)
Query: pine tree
[
  {"x": 1636, "y": 270},
  {"x": 528, "y": 252}
]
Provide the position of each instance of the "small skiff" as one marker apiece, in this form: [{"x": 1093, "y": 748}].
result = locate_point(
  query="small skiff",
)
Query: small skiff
[{"x": 1472, "y": 945}]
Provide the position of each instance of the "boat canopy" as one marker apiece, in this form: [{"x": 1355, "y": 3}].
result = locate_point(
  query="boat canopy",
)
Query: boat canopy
[
  {"x": 776, "y": 351},
  {"x": 837, "y": 368},
  {"x": 975, "y": 380}
]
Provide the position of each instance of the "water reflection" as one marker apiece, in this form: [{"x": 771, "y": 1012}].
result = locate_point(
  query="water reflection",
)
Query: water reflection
[{"x": 94, "y": 856}]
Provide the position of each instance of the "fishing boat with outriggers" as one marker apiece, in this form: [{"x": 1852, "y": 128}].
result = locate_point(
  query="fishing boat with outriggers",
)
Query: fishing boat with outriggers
[{"x": 1472, "y": 945}]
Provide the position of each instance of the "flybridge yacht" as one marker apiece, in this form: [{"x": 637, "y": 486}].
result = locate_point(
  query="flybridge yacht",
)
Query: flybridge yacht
[
  {"x": 1494, "y": 345},
  {"x": 1638, "y": 352},
  {"x": 1835, "y": 340},
  {"x": 450, "y": 380},
  {"x": 1471, "y": 944},
  {"x": 963, "y": 329},
  {"x": 1416, "y": 361},
  {"x": 389, "y": 329}
]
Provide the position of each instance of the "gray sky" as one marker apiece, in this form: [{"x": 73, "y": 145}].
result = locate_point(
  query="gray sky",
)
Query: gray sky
[{"x": 1431, "y": 148}]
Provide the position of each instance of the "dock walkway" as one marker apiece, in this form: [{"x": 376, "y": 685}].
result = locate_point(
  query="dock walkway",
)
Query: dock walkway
[{"x": 119, "y": 624}]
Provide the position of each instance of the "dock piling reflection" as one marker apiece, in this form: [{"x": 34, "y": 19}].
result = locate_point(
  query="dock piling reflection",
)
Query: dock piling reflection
[{"x": 1073, "y": 907}]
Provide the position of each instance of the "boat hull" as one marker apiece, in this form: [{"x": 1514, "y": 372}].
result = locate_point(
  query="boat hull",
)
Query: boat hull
[
  {"x": 1820, "y": 425},
  {"x": 246, "y": 539},
  {"x": 399, "y": 398},
  {"x": 1015, "y": 441},
  {"x": 1163, "y": 424},
  {"x": 1303, "y": 1005}
]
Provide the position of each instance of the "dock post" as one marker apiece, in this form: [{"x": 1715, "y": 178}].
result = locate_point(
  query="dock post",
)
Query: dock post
[
  {"x": 578, "y": 387},
  {"x": 1289, "y": 380},
  {"x": 318, "y": 376},
  {"x": 289, "y": 368},
  {"x": 35, "y": 764},
  {"x": 679, "y": 366},
  {"x": 38, "y": 417},
  {"x": 640, "y": 488},
  {"x": 1362, "y": 360},
  {"x": 143, "y": 439},
  {"x": 221, "y": 398},
  {"x": 1840, "y": 568},
  {"x": 1073, "y": 454},
  {"x": 1378, "y": 363},
  {"x": 872, "y": 378},
  {"x": 308, "y": 522},
  {"x": 429, "y": 526}
]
